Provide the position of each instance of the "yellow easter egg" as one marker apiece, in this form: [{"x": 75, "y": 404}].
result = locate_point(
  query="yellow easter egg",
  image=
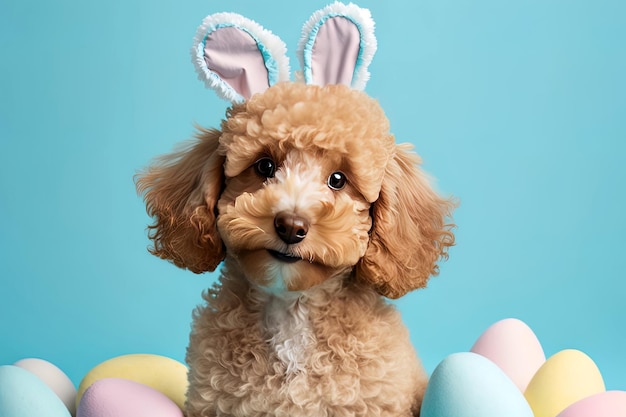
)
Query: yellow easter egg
[
  {"x": 158, "y": 372},
  {"x": 565, "y": 378}
]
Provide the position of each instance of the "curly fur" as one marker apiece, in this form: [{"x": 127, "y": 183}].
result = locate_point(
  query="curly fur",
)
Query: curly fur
[{"x": 312, "y": 337}]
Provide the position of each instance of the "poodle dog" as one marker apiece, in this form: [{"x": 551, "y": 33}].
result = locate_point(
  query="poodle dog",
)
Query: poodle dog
[{"x": 317, "y": 215}]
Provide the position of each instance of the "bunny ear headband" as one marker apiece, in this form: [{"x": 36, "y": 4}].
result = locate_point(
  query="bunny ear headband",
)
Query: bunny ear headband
[{"x": 237, "y": 57}]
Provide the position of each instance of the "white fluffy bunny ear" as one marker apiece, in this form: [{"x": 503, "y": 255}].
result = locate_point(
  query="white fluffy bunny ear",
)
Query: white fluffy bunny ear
[
  {"x": 337, "y": 46},
  {"x": 237, "y": 57}
]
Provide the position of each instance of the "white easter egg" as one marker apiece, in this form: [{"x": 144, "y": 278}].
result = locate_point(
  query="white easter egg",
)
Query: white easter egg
[{"x": 53, "y": 378}]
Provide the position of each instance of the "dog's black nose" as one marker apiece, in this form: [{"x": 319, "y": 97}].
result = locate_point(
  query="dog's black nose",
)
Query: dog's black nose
[{"x": 290, "y": 227}]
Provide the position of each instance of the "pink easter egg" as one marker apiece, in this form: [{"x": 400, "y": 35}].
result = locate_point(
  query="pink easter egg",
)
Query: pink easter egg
[
  {"x": 604, "y": 404},
  {"x": 116, "y": 397},
  {"x": 513, "y": 346}
]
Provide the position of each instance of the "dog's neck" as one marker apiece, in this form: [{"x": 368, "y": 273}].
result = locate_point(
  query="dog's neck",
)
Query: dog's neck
[
  {"x": 287, "y": 321},
  {"x": 288, "y": 330},
  {"x": 284, "y": 316}
]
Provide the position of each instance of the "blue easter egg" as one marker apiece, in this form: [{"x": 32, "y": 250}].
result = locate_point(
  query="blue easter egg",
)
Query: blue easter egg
[
  {"x": 468, "y": 385},
  {"x": 22, "y": 394}
]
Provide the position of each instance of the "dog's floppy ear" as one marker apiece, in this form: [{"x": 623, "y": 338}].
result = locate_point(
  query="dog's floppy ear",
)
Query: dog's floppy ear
[
  {"x": 237, "y": 57},
  {"x": 181, "y": 190},
  {"x": 337, "y": 46},
  {"x": 409, "y": 233}
]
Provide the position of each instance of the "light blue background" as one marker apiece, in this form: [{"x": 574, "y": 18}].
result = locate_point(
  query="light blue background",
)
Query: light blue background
[{"x": 517, "y": 107}]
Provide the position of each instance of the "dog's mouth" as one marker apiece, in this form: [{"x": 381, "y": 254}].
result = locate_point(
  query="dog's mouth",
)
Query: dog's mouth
[{"x": 284, "y": 257}]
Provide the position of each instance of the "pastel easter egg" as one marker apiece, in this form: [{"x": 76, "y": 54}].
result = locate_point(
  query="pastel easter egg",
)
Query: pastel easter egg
[
  {"x": 22, "y": 394},
  {"x": 565, "y": 378},
  {"x": 468, "y": 385},
  {"x": 158, "y": 372},
  {"x": 604, "y": 404},
  {"x": 115, "y": 397},
  {"x": 54, "y": 378},
  {"x": 513, "y": 346}
]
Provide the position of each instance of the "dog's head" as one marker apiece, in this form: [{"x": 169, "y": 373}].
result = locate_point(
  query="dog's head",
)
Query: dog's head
[{"x": 302, "y": 183}]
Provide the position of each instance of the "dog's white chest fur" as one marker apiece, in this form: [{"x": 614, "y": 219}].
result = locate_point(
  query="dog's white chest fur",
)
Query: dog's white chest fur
[{"x": 289, "y": 331}]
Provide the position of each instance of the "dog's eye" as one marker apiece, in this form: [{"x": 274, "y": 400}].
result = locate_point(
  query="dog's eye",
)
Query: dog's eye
[
  {"x": 337, "y": 180},
  {"x": 265, "y": 167}
]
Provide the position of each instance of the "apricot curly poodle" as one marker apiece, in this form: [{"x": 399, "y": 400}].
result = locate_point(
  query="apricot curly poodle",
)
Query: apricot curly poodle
[{"x": 317, "y": 215}]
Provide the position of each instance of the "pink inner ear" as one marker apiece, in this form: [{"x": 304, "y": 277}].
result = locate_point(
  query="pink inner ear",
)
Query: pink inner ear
[
  {"x": 234, "y": 55},
  {"x": 335, "y": 52}
]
